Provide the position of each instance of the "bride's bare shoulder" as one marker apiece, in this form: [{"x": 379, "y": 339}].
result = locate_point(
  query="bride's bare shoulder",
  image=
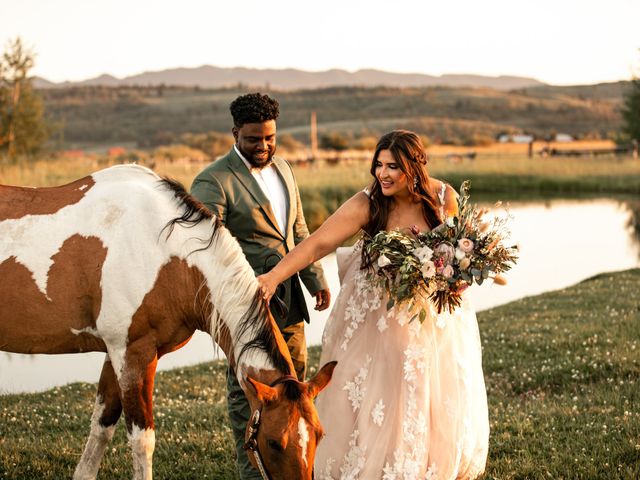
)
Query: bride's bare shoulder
[{"x": 446, "y": 195}]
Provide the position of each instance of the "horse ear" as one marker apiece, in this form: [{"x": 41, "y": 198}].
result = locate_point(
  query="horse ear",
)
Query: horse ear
[
  {"x": 264, "y": 393},
  {"x": 321, "y": 379}
]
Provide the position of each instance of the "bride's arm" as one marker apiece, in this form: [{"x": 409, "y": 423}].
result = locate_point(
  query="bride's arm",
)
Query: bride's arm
[{"x": 339, "y": 227}]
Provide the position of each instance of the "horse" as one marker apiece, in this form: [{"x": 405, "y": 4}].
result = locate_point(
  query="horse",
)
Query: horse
[{"x": 128, "y": 263}]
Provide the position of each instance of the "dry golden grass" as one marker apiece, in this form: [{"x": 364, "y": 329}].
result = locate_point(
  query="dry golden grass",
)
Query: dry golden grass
[
  {"x": 520, "y": 148},
  {"x": 47, "y": 173},
  {"x": 494, "y": 160}
]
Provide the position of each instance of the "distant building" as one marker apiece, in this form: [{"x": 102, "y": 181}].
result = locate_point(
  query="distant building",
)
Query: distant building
[
  {"x": 522, "y": 138},
  {"x": 515, "y": 138},
  {"x": 564, "y": 137}
]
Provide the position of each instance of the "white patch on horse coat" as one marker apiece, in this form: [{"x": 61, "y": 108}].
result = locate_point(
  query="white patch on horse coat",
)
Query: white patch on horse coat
[
  {"x": 126, "y": 209},
  {"x": 303, "y": 437},
  {"x": 143, "y": 442},
  {"x": 97, "y": 442},
  {"x": 35, "y": 239},
  {"x": 89, "y": 330}
]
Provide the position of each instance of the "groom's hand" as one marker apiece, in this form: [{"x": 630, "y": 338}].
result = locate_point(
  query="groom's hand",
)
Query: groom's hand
[{"x": 323, "y": 298}]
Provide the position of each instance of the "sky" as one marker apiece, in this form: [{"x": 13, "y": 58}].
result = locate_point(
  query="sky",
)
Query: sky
[{"x": 561, "y": 42}]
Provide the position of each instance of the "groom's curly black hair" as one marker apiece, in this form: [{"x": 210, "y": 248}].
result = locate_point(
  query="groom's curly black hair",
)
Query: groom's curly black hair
[{"x": 253, "y": 108}]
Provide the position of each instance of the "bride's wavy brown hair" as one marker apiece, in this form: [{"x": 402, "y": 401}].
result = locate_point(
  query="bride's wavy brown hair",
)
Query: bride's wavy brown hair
[{"x": 408, "y": 152}]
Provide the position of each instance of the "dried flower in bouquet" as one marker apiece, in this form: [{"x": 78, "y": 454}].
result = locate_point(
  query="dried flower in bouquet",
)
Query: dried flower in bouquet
[{"x": 440, "y": 264}]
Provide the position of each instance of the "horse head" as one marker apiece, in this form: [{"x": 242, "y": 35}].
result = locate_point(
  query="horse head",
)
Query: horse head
[{"x": 284, "y": 429}]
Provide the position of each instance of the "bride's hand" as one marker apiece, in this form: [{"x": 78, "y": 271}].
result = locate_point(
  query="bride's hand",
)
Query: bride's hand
[{"x": 267, "y": 286}]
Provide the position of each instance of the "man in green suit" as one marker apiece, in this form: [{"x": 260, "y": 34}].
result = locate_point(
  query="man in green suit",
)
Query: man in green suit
[{"x": 256, "y": 197}]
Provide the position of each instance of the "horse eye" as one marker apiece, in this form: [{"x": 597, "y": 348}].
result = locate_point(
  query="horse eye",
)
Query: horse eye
[{"x": 274, "y": 445}]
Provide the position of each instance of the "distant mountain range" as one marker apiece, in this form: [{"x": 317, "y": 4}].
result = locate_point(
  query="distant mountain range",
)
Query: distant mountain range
[{"x": 291, "y": 79}]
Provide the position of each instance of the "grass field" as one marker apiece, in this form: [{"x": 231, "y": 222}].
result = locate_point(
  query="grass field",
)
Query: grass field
[{"x": 561, "y": 370}]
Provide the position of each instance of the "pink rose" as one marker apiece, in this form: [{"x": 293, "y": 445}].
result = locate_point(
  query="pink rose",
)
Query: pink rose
[
  {"x": 465, "y": 245},
  {"x": 447, "y": 271},
  {"x": 445, "y": 251}
]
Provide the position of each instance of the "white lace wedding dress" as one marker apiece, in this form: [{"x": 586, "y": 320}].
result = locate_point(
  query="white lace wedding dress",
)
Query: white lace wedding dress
[{"x": 407, "y": 400}]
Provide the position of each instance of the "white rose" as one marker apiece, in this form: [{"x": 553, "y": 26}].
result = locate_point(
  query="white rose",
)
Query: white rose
[
  {"x": 423, "y": 253},
  {"x": 428, "y": 269},
  {"x": 383, "y": 261},
  {"x": 460, "y": 254}
]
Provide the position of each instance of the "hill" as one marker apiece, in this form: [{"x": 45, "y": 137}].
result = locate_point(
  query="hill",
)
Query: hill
[
  {"x": 208, "y": 76},
  {"x": 149, "y": 116}
]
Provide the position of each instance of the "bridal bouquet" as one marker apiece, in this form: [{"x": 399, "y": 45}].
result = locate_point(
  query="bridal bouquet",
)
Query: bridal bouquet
[{"x": 439, "y": 265}]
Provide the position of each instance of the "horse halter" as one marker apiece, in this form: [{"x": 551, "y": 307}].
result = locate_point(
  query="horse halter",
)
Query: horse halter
[{"x": 251, "y": 444}]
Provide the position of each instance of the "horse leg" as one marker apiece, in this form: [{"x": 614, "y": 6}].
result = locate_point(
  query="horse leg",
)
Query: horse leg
[
  {"x": 106, "y": 413},
  {"x": 136, "y": 385}
]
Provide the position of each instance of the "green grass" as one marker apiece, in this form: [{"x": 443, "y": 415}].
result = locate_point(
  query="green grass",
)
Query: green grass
[{"x": 561, "y": 371}]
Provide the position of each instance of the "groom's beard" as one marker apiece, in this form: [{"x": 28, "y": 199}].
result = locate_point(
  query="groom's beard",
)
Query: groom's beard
[{"x": 258, "y": 160}]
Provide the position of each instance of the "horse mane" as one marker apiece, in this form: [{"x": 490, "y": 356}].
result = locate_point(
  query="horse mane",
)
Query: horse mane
[
  {"x": 256, "y": 317},
  {"x": 264, "y": 338},
  {"x": 193, "y": 211}
]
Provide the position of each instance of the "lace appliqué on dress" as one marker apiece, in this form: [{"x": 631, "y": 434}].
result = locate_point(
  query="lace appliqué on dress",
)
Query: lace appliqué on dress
[
  {"x": 354, "y": 460},
  {"x": 355, "y": 390},
  {"x": 377, "y": 414},
  {"x": 364, "y": 299}
]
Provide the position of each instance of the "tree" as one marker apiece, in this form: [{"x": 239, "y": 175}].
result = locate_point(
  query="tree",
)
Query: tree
[
  {"x": 334, "y": 141},
  {"x": 631, "y": 110},
  {"x": 23, "y": 130}
]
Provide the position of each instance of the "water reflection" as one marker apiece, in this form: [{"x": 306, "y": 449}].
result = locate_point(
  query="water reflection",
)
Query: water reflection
[
  {"x": 562, "y": 242},
  {"x": 634, "y": 218}
]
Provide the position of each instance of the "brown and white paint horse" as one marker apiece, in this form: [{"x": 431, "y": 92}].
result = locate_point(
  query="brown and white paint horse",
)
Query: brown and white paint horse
[{"x": 126, "y": 263}]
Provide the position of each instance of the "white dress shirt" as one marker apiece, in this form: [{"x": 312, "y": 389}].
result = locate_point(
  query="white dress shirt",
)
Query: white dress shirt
[{"x": 273, "y": 188}]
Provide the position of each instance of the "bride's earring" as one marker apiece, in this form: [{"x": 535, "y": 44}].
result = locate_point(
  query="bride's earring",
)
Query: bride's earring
[{"x": 415, "y": 182}]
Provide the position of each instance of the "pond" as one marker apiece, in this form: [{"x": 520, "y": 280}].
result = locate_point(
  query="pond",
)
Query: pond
[{"x": 561, "y": 242}]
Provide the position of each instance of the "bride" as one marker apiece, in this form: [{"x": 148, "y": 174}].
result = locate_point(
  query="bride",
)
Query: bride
[{"x": 407, "y": 399}]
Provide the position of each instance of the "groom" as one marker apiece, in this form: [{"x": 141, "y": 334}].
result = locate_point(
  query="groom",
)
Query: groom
[{"x": 256, "y": 197}]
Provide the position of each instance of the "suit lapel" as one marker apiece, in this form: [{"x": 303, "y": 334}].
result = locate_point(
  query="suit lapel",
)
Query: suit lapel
[
  {"x": 285, "y": 174},
  {"x": 244, "y": 176}
]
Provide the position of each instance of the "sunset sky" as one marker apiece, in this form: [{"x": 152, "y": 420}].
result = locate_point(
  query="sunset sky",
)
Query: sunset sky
[{"x": 556, "y": 41}]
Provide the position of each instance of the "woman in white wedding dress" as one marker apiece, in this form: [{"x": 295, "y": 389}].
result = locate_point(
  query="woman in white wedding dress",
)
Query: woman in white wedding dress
[{"x": 407, "y": 399}]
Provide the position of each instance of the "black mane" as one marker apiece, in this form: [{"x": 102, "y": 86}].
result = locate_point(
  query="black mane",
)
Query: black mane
[
  {"x": 193, "y": 211},
  {"x": 264, "y": 340}
]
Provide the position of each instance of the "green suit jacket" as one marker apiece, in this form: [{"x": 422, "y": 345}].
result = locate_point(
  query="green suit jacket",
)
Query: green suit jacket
[{"x": 229, "y": 190}]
